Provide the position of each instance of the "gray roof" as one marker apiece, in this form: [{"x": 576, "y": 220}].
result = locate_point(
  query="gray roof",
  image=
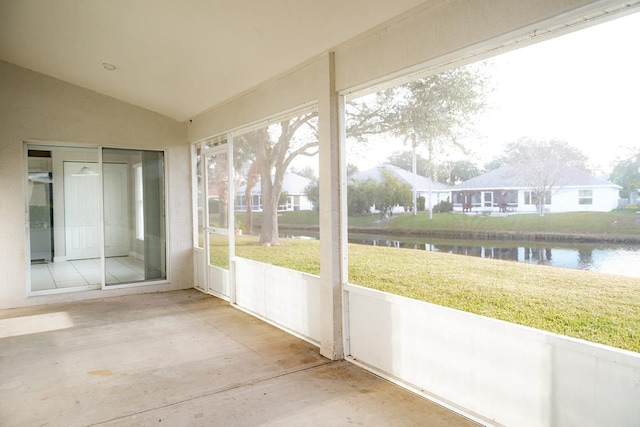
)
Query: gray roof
[
  {"x": 422, "y": 182},
  {"x": 521, "y": 176}
]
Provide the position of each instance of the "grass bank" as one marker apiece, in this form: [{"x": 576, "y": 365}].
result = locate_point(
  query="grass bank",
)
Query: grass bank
[
  {"x": 622, "y": 226},
  {"x": 596, "y": 307}
]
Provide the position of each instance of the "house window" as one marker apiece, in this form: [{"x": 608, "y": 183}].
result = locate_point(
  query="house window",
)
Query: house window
[
  {"x": 256, "y": 202},
  {"x": 531, "y": 198},
  {"x": 585, "y": 197},
  {"x": 240, "y": 202}
]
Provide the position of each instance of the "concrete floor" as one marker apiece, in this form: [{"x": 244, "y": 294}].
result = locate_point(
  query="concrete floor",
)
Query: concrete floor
[{"x": 183, "y": 359}]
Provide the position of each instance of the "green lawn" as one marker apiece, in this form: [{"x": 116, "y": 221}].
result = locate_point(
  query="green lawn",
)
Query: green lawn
[
  {"x": 596, "y": 307},
  {"x": 593, "y": 306},
  {"x": 293, "y": 218},
  {"x": 600, "y": 224}
]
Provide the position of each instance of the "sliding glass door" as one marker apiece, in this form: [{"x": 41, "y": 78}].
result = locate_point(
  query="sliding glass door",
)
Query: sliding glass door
[
  {"x": 95, "y": 217},
  {"x": 134, "y": 216}
]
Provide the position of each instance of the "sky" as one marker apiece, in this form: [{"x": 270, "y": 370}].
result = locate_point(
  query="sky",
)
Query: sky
[{"x": 583, "y": 88}]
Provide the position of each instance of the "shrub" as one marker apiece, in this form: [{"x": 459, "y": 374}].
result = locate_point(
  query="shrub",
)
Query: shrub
[{"x": 443, "y": 206}]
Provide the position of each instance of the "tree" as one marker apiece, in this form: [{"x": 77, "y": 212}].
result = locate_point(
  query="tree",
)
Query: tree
[
  {"x": 312, "y": 191},
  {"x": 219, "y": 178},
  {"x": 283, "y": 200},
  {"x": 351, "y": 169},
  {"x": 361, "y": 195},
  {"x": 541, "y": 163},
  {"x": 494, "y": 164},
  {"x": 391, "y": 192},
  {"x": 307, "y": 172},
  {"x": 404, "y": 160},
  {"x": 626, "y": 173},
  {"x": 273, "y": 149},
  {"x": 253, "y": 176},
  {"x": 452, "y": 173},
  {"x": 431, "y": 112},
  {"x": 526, "y": 150}
]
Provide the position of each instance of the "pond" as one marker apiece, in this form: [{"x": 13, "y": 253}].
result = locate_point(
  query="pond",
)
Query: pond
[
  {"x": 605, "y": 258},
  {"x": 609, "y": 258}
]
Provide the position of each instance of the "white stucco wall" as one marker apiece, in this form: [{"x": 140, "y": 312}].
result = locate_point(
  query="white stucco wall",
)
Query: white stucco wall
[
  {"x": 566, "y": 200},
  {"x": 298, "y": 87},
  {"x": 436, "y": 197},
  {"x": 604, "y": 199},
  {"x": 286, "y": 298},
  {"x": 35, "y": 107},
  {"x": 505, "y": 374}
]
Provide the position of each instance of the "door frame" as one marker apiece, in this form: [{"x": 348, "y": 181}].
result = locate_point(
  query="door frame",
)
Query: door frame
[
  {"x": 75, "y": 148},
  {"x": 484, "y": 201},
  {"x": 214, "y": 280}
]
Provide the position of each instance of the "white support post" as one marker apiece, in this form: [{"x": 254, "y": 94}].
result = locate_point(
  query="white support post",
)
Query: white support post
[
  {"x": 231, "y": 221},
  {"x": 331, "y": 249}
]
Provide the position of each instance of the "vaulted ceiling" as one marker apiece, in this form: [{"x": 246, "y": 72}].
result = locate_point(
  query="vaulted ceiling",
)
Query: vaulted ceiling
[{"x": 180, "y": 58}]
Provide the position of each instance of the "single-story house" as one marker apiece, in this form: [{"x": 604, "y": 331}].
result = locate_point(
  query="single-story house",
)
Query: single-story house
[
  {"x": 293, "y": 185},
  {"x": 514, "y": 188},
  {"x": 439, "y": 192}
]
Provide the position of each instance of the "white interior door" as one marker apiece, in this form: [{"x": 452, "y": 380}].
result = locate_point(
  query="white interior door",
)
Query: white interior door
[{"x": 81, "y": 211}]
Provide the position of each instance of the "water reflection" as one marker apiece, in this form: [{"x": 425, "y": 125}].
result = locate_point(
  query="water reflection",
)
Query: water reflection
[{"x": 621, "y": 260}]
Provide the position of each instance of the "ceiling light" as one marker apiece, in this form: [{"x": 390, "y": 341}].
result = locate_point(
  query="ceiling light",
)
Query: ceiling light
[{"x": 108, "y": 66}]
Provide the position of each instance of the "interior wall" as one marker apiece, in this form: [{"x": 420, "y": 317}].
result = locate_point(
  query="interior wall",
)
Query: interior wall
[
  {"x": 35, "y": 107},
  {"x": 296, "y": 88}
]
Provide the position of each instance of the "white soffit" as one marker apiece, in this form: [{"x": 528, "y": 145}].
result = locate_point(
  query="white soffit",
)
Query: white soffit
[{"x": 180, "y": 58}]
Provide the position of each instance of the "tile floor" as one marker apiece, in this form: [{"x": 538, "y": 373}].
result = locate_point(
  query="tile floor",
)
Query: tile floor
[{"x": 85, "y": 272}]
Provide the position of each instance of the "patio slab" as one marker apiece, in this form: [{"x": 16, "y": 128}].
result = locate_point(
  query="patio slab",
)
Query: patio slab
[{"x": 185, "y": 359}]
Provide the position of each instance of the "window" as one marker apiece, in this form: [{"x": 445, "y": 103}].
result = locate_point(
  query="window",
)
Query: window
[
  {"x": 269, "y": 213},
  {"x": 484, "y": 169},
  {"x": 585, "y": 197},
  {"x": 531, "y": 198},
  {"x": 139, "y": 200}
]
